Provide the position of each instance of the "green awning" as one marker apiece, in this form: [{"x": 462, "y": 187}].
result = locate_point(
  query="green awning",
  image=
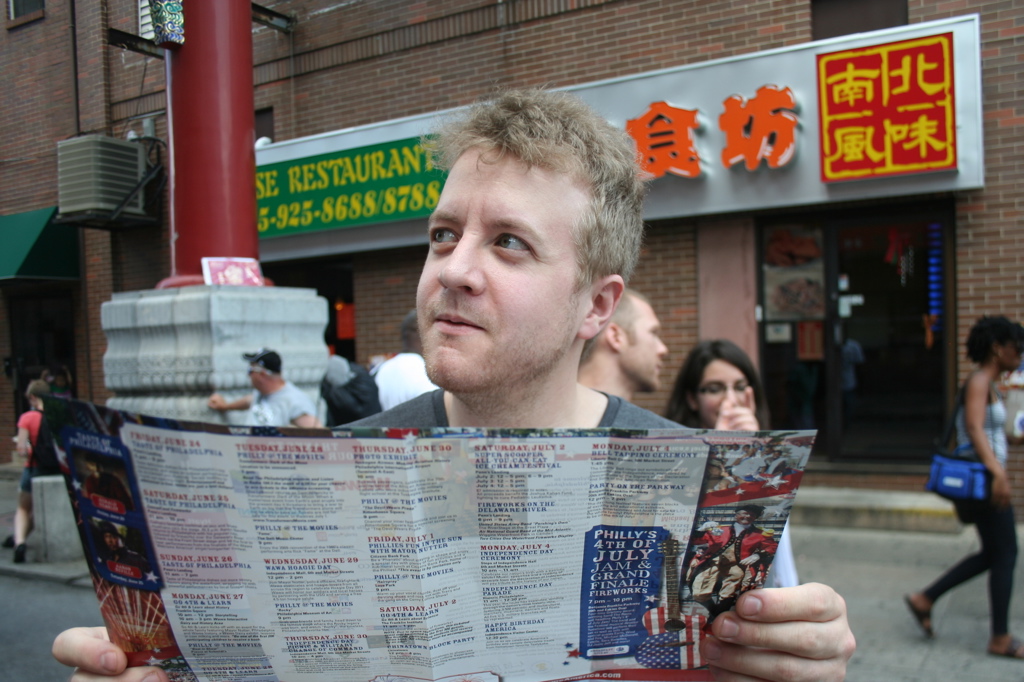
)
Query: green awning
[{"x": 31, "y": 247}]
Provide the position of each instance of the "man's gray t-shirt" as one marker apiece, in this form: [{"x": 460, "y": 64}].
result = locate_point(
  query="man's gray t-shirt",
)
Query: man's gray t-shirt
[
  {"x": 280, "y": 407},
  {"x": 427, "y": 411}
]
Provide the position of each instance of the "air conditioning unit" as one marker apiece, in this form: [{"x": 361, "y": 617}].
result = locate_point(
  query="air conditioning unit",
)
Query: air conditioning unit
[{"x": 96, "y": 173}]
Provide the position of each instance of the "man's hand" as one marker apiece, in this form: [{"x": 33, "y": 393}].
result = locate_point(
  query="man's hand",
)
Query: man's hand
[
  {"x": 793, "y": 634},
  {"x": 95, "y": 658},
  {"x": 217, "y": 402}
]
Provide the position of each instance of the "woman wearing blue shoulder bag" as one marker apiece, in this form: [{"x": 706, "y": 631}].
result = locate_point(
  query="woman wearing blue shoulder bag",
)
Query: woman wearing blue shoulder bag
[{"x": 995, "y": 344}]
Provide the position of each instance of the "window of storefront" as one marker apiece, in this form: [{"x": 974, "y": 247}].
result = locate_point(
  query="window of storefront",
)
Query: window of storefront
[
  {"x": 854, "y": 332},
  {"x": 831, "y": 18}
]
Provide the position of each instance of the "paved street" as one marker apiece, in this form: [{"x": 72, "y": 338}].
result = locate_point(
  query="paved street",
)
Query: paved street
[
  {"x": 35, "y": 611},
  {"x": 871, "y": 569}
]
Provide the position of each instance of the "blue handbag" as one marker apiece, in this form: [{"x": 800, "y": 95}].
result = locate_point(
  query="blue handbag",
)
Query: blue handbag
[{"x": 959, "y": 475}]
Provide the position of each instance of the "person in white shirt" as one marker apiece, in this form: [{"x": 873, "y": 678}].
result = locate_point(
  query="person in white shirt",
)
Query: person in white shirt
[{"x": 404, "y": 376}]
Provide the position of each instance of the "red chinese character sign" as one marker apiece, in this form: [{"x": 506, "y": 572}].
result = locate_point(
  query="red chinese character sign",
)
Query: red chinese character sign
[
  {"x": 763, "y": 127},
  {"x": 664, "y": 136},
  {"x": 887, "y": 109}
]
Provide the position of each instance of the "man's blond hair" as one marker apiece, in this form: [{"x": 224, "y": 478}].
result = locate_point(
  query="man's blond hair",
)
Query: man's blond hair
[{"x": 558, "y": 131}]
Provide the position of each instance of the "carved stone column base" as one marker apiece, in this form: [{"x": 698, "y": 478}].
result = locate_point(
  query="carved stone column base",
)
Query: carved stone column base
[{"x": 169, "y": 349}]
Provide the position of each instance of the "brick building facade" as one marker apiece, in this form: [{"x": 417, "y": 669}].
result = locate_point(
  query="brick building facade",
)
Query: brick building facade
[{"x": 346, "y": 65}]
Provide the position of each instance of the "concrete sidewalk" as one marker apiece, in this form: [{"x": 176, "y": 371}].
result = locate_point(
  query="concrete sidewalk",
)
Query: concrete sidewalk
[
  {"x": 872, "y": 569},
  {"x": 69, "y": 572}
]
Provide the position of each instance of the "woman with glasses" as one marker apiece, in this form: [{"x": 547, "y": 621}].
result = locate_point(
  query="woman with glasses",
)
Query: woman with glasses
[
  {"x": 719, "y": 388},
  {"x": 995, "y": 344}
]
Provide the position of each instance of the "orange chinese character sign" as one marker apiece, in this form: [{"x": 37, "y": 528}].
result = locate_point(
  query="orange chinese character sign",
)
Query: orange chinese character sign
[
  {"x": 887, "y": 109},
  {"x": 664, "y": 136},
  {"x": 763, "y": 127}
]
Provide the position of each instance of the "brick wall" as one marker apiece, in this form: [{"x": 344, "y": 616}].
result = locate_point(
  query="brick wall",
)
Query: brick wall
[
  {"x": 667, "y": 275},
  {"x": 564, "y": 43},
  {"x": 433, "y": 55},
  {"x": 37, "y": 110}
]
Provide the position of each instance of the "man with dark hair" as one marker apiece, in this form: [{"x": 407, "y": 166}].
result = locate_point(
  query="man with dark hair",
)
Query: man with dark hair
[
  {"x": 625, "y": 358},
  {"x": 534, "y": 236},
  {"x": 274, "y": 401}
]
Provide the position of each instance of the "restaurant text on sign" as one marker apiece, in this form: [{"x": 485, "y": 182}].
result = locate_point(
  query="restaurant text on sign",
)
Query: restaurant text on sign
[
  {"x": 392, "y": 181},
  {"x": 887, "y": 109}
]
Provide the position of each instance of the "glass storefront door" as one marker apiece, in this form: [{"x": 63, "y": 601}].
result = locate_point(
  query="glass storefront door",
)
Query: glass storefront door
[{"x": 854, "y": 331}]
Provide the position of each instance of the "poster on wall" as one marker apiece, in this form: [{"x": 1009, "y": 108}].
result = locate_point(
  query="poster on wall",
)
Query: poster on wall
[
  {"x": 794, "y": 274},
  {"x": 810, "y": 346}
]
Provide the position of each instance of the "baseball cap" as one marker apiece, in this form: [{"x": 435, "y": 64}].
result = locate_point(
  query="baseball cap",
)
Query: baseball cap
[{"x": 265, "y": 358}]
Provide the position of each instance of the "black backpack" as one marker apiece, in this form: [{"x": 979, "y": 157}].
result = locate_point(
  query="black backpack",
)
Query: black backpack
[
  {"x": 44, "y": 451},
  {"x": 352, "y": 400}
]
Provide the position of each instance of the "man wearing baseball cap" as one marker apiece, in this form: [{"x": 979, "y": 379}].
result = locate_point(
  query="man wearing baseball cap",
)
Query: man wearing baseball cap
[{"x": 275, "y": 402}]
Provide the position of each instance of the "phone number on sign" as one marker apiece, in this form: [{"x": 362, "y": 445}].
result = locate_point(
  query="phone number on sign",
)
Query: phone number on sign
[{"x": 353, "y": 206}]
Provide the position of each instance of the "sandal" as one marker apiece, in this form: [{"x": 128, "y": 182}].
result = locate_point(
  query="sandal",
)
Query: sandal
[
  {"x": 924, "y": 618},
  {"x": 1014, "y": 649}
]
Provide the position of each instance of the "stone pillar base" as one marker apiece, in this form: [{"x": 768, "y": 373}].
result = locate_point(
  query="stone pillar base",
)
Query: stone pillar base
[
  {"x": 169, "y": 349},
  {"x": 56, "y": 531}
]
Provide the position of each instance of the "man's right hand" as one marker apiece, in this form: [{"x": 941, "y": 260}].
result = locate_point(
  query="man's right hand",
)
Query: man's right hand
[
  {"x": 787, "y": 634},
  {"x": 217, "y": 402},
  {"x": 95, "y": 658}
]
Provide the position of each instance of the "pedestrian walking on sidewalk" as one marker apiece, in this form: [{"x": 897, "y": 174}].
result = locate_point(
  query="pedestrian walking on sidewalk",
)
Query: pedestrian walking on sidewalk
[
  {"x": 28, "y": 437},
  {"x": 995, "y": 344}
]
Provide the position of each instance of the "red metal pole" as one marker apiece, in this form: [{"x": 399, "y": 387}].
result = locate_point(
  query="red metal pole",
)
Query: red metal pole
[{"x": 211, "y": 133}]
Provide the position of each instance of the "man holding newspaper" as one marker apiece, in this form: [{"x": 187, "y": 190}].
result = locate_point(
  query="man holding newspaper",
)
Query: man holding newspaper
[{"x": 535, "y": 234}]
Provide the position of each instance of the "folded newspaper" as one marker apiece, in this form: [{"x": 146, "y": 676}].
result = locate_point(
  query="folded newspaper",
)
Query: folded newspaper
[{"x": 392, "y": 555}]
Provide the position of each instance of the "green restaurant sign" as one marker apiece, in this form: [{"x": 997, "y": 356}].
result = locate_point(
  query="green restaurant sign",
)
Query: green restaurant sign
[{"x": 393, "y": 181}]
